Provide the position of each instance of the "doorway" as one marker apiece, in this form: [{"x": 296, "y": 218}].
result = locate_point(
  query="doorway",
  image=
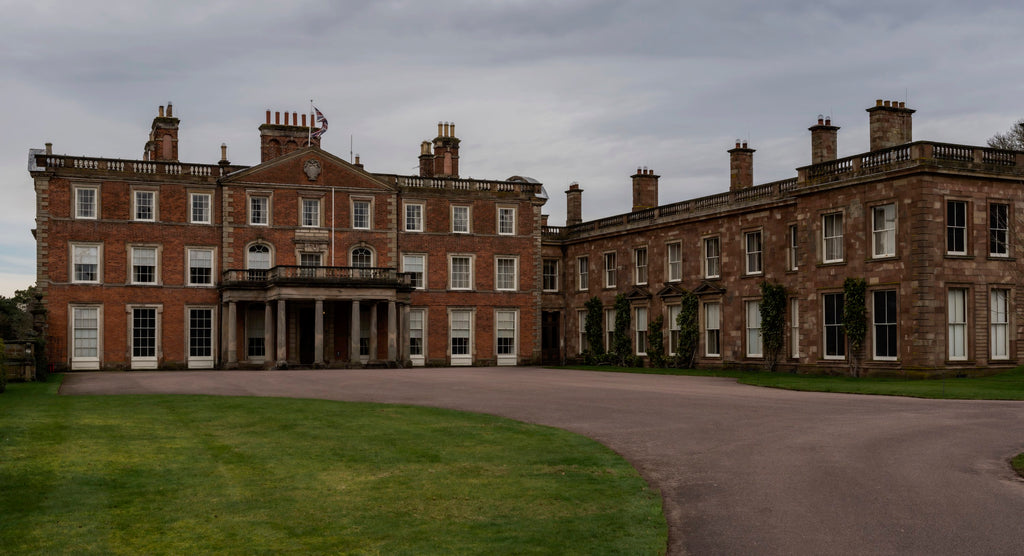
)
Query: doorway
[{"x": 551, "y": 338}]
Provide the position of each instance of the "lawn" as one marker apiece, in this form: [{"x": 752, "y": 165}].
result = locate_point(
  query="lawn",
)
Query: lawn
[
  {"x": 201, "y": 474},
  {"x": 1004, "y": 386}
]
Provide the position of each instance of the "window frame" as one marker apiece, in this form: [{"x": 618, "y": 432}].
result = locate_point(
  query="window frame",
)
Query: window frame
[
  {"x": 73, "y": 272},
  {"x": 547, "y": 273},
  {"x": 794, "y": 328},
  {"x": 890, "y": 326},
  {"x": 414, "y": 223},
  {"x": 674, "y": 268},
  {"x": 754, "y": 253},
  {"x": 610, "y": 273},
  {"x": 418, "y": 359},
  {"x": 673, "y": 327},
  {"x": 956, "y": 230},
  {"x": 145, "y": 361},
  {"x": 264, "y": 210},
  {"x": 499, "y": 277},
  {"x": 834, "y": 327},
  {"x": 994, "y": 232},
  {"x": 362, "y": 247},
  {"x": 640, "y": 265},
  {"x": 469, "y": 219},
  {"x": 957, "y": 331},
  {"x": 356, "y": 202},
  {"x": 469, "y": 274},
  {"x": 95, "y": 205},
  {"x": 85, "y": 362},
  {"x": 887, "y": 235},
  {"x": 752, "y": 322},
  {"x": 153, "y": 205},
  {"x": 712, "y": 332},
  {"x": 188, "y": 266},
  {"x": 498, "y": 221},
  {"x": 793, "y": 252},
  {"x": 132, "y": 276},
  {"x": 583, "y": 273},
  {"x": 581, "y": 332},
  {"x": 423, "y": 273},
  {"x": 835, "y": 241},
  {"x": 1001, "y": 339},
  {"x": 640, "y": 330},
  {"x": 716, "y": 241},
  {"x": 200, "y": 361},
  {"x": 192, "y": 198},
  {"x": 317, "y": 216},
  {"x": 461, "y": 359},
  {"x": 609, "y": 328},
  {"x": 511, "y": 358}
]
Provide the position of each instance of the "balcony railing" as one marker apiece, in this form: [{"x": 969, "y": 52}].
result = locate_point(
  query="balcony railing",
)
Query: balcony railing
[
  {"x": 348, "y": 276},
  {"x": 156, "y": 167}
]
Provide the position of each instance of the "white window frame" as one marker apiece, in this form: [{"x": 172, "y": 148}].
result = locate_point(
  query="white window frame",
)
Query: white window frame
[
  {"x": 420, "y": 333},
  {"x": 194, "y": 203},
  {"x": 999, "y": 324},
  {"x": 189, "y": 252},
  {"x": 673, "y": 327},
  {"x": 137, "y": 194},
  {"x": 501, "y": 329},
  {"x": 411, "y": 257},
  {"x": 310, "y": 214},
  {"x": 73, "y": 275},
  {"x": 794, "y": 248},
  {"x": 368, "y": 225},
  {"x": 461, "y": 359},
  {"x": 499, "y": 225},
  {"x": 879, "y": 327},
  {"x": 674, "y": 261},
  {"x": 994, "y": 231},
  {"x": 500, "y": 279},
  {"x": 754, "y": 339},
  {"x": 640, "y": 260},
  {"x": 956, "y": 318},
  {"x": 640, "y": 315},
  {"x": 754, "y": 246},
  {"x": 414, "y": 222},
  {"x": 583, "y": 273},
  {"x": 94, "y": 206},
  {"x": 883, "y": 231},
  {"x": 832, "y": 247},
  {"x": 362, "y": 247},
  {"x": 85, "y": 362},
  {"x": 264, "y": 214},
  {"x": 712, "y": 271},
  {"x": 545, "y": 275},
  {"x": 134, "y": 251},
  {"x": 712, "y": 314},
  {"x": 255, "y": 347},
  {"x": 794, "y": 328},
  {"x": 200, "y": 361},
  {"x": 956, "y": 229},
  {"x": 469, "y": 213},
  {"x": 145, "y": 361},
  {"x": 451, "y": 272},
  {"x": 610, "y": 272},
  {"x": 833, "y": 327},
  {"x": 581, "y": 320}
]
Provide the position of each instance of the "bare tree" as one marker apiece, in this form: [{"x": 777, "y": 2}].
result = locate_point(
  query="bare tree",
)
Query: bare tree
[{"x": 1012, "y": 139}]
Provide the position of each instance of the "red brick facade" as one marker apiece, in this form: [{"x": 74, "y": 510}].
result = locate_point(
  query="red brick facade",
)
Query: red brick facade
[{"x": 306, "y": 259}]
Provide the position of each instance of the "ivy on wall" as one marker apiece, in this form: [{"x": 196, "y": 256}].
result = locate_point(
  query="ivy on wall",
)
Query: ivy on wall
[
  {"x": 688, "y": 322},
  {"x": 773, "y": 322},
  {"x": 855, "y": 319}
]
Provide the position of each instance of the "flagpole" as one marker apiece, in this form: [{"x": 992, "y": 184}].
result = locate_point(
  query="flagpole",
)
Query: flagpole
[{"x": 309, "y": 130}]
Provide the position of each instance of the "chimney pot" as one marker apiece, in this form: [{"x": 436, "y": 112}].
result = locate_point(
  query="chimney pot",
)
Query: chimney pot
[
  {"x": 440, "y": 129},
  {"x": 295, "y": 118},
  {"x": 452, "y": 129},
  {"x": 170, "y": 112},
  {"x": 887, "y": 103},
  {"x": 277, "y": 118},
  {"x": 828, "y": 121},
  {"x": 903, "y": 104},
  {"x": 161, "y": 113},
  {"x": 49, "y": 148},
  {"x": 304, "y": 120},
  {"x": 268, "y": 115},
  {"x": 878, "y": 102},
  {"x": 744, "y": 144}
]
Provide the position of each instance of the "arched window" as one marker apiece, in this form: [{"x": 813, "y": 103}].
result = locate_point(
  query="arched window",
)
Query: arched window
[
  {"x": 362, "y": 257},
  {"x": 258, "y": 261}
]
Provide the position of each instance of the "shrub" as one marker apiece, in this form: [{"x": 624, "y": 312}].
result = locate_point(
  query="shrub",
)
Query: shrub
[
  {"x": 854, "y": 319},
  {"x": 773, "y": 322},
  {"x": 656, "y": 343},
  {"x": 622, "y": 347}
]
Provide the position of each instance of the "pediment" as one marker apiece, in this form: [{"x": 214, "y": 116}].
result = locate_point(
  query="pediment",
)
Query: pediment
[
  {"x": 671, "y": 290},
  {"x": 638, "y": 293},
  {"x": 309, "y": 167},
  {"x": 709, "y": 288}
]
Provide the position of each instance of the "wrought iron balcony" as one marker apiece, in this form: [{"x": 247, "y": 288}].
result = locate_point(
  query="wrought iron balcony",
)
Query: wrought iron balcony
[{"x": 344, "y": 276}]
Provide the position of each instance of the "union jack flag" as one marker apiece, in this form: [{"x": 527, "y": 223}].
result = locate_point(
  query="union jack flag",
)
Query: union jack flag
[{"x": 320, "y": 119}]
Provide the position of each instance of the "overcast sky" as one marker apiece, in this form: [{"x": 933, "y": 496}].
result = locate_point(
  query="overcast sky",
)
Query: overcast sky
[{"x": 563, "y": 91}]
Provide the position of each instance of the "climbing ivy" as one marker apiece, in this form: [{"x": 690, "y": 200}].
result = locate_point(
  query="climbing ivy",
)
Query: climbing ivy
[
  {"x": 773, "y": 322},
  {"x": 622, "y": 346},
  {"x": 688, "y": 322},
  {"x": 594, "y": 329},
  {"x": 656, "y": 342},
  {"x": 855, "y": 319}
]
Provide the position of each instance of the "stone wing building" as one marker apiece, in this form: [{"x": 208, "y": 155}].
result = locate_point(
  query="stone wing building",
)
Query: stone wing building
[{"x": 306, "y": 259}]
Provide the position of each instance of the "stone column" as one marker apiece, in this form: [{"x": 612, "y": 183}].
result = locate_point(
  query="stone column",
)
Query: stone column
[
  {"x": 353, "y": 343},
  {"x": 268, "y": 332},
  {"x": 403, "y": 347},
  {"x": 373, "y": 331},
  {"x": 318, "y": 337},
  {"x": 392, "y": 331},
  {"x": 282, "y": 333},
  {"x": 232, "y": 333}
]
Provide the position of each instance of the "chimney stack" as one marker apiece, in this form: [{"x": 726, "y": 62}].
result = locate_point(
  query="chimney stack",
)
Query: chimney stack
[
  {"x": 426, "y": 160},
  {"x": 741, "y": 166},
  {"x": 278, "y": 139},
  {"x": 444, "y": 162},
  {"x": 891, "y": 124},
  {"x": 823, "y": 140},
  {"x": 163, "y": 136},
  {"x": 573, "y": 204},
  {"x": 645, "y": 189},
  {"x": 223, "y": 154}
]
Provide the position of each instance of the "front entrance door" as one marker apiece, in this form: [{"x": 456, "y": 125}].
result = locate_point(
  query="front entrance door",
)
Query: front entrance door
[
  {"x": 551, "y": 338},
  {"x": 307, "y": 333}
]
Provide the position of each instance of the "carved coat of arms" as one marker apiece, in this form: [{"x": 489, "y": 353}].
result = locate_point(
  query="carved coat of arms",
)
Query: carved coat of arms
[{"x": 312, "y": 169}]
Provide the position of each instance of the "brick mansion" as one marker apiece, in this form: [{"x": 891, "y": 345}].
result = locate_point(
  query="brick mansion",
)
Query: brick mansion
[{"x": 307, "y": 259}]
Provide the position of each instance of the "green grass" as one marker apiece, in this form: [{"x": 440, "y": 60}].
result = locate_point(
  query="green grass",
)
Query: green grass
[
  {"x": 1018, "y": 464},
  {"x": 1004, "y": 386},
  {"x": 198, "y": 474}
]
